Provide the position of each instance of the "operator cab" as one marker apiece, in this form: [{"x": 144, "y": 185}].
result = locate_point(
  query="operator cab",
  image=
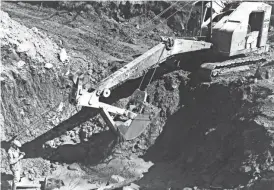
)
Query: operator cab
[
  {"x": 211, "y": 11},
  {"x": 234, "y": 28}
]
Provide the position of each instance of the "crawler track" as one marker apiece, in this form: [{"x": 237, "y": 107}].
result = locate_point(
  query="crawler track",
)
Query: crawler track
[{"x": 211, "y": 70}]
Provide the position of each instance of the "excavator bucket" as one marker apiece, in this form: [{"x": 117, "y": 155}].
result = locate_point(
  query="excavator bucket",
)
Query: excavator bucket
[
  {"x": 136, "y": 127},
  {"x": 133, "y": 128}
]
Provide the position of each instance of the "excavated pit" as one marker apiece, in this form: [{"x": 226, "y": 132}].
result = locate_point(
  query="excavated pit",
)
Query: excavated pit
[
  {"x": 215, "y": 136},
  {"x": 209, "y": 136}
]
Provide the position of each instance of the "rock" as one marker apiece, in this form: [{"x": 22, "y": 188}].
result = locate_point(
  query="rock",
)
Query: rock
[
  {"x": 131, "y": 187},
  {"x": 249, "y": 89},
  {"x": 60, "y": 42},
  {"x": 127, "y": 188},
  {"x": 240, "y": 82},
  {"x": 117, "y": 178},
  {"x": 21, "y": 4},
  {"x": 133, "y": 41},
  {"x": 187, "y": 188},
  {"x": 54, "y": 184},
  {"x": 48, "y": 66},
  {"x": 31, "y": 177},
  {"x": 76, "y": 140},
  {"x": 24, "y": 47},
  {"x": 89, "y": 7},
  {"x": 49, "y": 144},
  {"x": 245, "y": 169},
  {"x": 21, "y": 63},
  {"x": 174, "y": 85},
  {"x": 71, "y": 134},
  {"x": 131, "y": 107},
  {"x": 25, "y": 172},
  {"x": 137, "y": 26},
  {"x": 64, "y": 138},
  {"x": 53, "y": 166},
  {"x": 270, "y": 98},
  {"x": 34, "y": 29},
  {"x": 63, "y": 55},
  {"x": 60, "y": 107},
  {"x": 31, "y": 171},
  {"x": 22, "y": 113},
  {"x": 73, "y": 166},
  {"x": 134, "y": 186}
]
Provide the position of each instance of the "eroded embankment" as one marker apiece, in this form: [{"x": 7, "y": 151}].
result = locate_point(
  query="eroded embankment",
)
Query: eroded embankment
[{"x": 34, "y": 84}]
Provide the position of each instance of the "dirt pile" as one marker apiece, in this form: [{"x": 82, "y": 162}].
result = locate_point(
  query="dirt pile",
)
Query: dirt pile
[
  {"x": 37, "y": 46},
  {"x": 33, "y": 82},
  {"x": 26, "y": 53}
]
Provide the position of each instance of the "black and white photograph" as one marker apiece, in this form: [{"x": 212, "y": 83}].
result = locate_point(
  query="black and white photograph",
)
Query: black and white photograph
[{"x": 137, "y": 95}]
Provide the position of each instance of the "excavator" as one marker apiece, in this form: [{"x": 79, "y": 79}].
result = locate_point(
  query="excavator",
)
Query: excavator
[{"x": 228, "y": 29}]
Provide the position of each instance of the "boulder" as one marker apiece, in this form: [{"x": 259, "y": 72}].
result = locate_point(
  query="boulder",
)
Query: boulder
[
  {"x": 52, "y": 183},
  {"x": 73, "y": 166},
  {"x": 48, "y": 66},
  {"x": 20, "y": 64},
  {"x": 117, "y": 178},
  {"x": 63, "y": 55}
]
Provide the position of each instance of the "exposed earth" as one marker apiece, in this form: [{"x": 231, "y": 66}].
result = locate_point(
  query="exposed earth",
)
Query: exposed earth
[{"x": 216, "y": 135}]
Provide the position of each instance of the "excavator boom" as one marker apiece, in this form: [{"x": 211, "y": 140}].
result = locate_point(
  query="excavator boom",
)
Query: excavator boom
[
  {"x": 136, "y": 122},
  {"x": 152, "y": 57}
]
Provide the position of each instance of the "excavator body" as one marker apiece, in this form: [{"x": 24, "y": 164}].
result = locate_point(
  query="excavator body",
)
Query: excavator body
[
  {"x": 234, "y": 29},
  {"x": 244, "y": 30},
  {"x": 227, "y": 28}
]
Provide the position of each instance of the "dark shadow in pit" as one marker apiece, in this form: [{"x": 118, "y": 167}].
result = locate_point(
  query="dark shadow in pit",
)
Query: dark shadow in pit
[
  {"x": 201, "y": 145},
  {"x": 5, "y": 178},
  {"x": 91, "y": 152},
  {"x": 188, "y": 62},
  {"x": 34, "y": 148}
]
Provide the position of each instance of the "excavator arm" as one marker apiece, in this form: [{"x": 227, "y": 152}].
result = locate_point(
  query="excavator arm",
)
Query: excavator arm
[
  {"x": 136, "y": 122},
  {"x": 152, "y": 57}
]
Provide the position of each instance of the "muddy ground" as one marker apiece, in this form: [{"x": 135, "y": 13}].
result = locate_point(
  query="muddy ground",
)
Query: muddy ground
[{"x": 208, "y": 136}]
